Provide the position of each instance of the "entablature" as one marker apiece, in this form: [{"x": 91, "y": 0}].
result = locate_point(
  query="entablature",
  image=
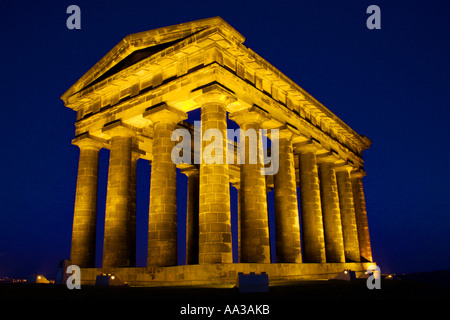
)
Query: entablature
[{"x": 178, "y": 94}]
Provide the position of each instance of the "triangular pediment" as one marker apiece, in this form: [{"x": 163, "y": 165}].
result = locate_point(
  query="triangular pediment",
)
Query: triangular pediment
[{"x": 136, "y": 47}]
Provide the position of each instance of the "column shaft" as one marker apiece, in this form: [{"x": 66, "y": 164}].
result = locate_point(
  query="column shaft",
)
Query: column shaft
[
  {"x": 287, "y": 226},
  {"x": 334, "y": 242},
  {"x": 192, "y": 218},
  {"x": 85, "y": 211},
  {"x": 255, "y": 245},
  {"x": 132, "y": 208},
  {"x": 311, "y": 211},
  {"x": 162, "y": 221},
  {"x": 116, "y": 246},
  {"x": 214, "y": 208},
  {"x": 347, "y": 207},
  {"x": 239, "y": 226},
  {"x": 162, "y": 232},
  {"x": 361, "y": 219}
]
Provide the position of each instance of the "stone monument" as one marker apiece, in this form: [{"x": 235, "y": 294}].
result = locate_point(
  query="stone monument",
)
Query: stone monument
[{"x": 140, "y": 92}]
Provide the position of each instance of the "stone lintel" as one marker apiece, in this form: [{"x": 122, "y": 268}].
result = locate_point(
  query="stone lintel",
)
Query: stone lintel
[{"x": 164, "y": 113}]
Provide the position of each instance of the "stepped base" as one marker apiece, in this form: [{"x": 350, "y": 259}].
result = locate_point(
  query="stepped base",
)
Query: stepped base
[{"x": 222, "y": 274}]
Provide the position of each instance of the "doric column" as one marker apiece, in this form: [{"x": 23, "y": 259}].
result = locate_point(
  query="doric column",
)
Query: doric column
[
  {"x": 162, "y": 224},
  {"x": 287, "y": 225},
  {"x": 239, "y": 217},
  {"x": 255, "y": 243},
  {"x": 347, "y": 207},
  {"x": 361, "y": 216},
  {"x": 334, "y": 242},
  {"x": 214, "y": 208},
  {"x": 192, "y": 215},
  {"x": 132, "y": 207},
  {"x": 82, "y": 251},
  {"x": 237, "y": 185},
  {"x": 311, "y": 210},
  {"x": 116, "y": 245}
]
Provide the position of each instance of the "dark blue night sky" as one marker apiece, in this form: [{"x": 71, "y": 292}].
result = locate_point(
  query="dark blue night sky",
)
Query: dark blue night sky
[{"x": 391, "y": 85}]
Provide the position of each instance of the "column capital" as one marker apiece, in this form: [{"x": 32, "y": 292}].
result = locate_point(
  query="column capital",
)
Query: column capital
[
  {"x": 357, "y": 174},
  {"x": 329, "y": 157},
  {"x": 345, "y": 167},
  {"x": 85, "y": 141},
  {"x": 287, "y": 131},
  {"x": 254, "y": 114},
  {"x": 162, "y": 112},
  {"x": 118, "y": 129},
  {"x": 188, "y": 169},
  {"x": 213, "y": 93},
  {"x": 237, "y": 185},
  {"x": 310, "y": 146}
]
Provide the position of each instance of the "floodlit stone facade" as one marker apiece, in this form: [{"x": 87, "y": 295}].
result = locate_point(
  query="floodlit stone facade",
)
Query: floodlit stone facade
[{"x": 140, "y": 92}]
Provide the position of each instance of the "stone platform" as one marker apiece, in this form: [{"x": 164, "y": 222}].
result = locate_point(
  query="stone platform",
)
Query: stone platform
[{"x": 222, "y": 274}]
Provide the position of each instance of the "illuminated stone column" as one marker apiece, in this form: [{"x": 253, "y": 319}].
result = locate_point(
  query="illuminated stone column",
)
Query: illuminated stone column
[
  {"x": 162, "y": 224},
  {"x": 237, "y": 185},
  {"x": 334, "y": 242},
  {"x": 239, "y": 217},
  {"x": 192, "y": 215},
  {"x": 214, "y": 208},
  {"x": 287, "y": 225},
  {"x": 255, "y": 243},
  {"x": 132, "y": 208},
  {"x": 361, "y": 216},
  {"x": 82, "y": 251},
  {"x": 311, "y": 209},
  {"x": 116, "y": 245},
  {"x": 347, "y": 207}
]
